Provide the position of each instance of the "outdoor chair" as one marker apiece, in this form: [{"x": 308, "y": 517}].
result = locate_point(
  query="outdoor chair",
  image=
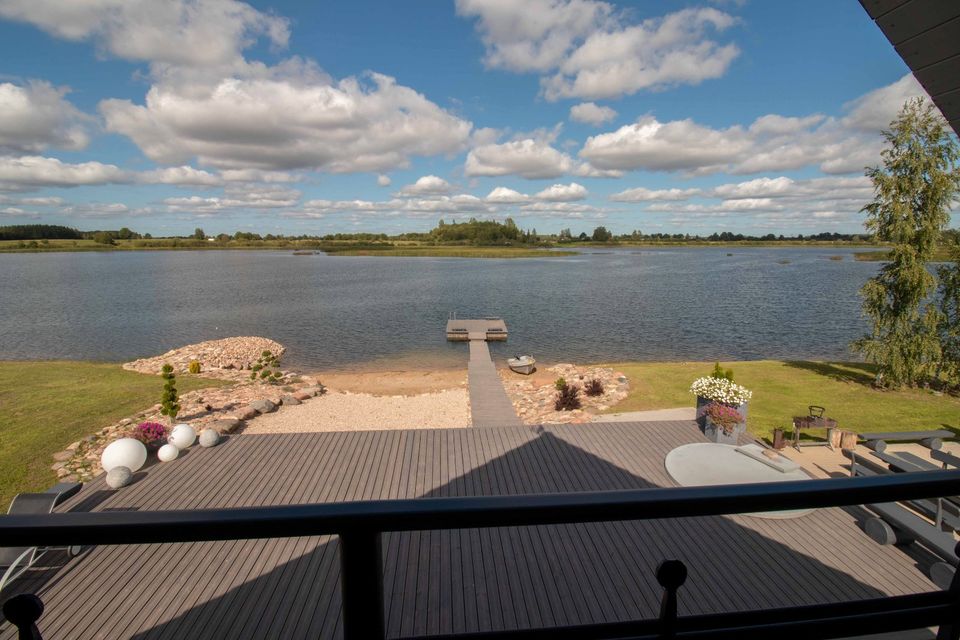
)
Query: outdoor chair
[{"x": 16, "y": 560}]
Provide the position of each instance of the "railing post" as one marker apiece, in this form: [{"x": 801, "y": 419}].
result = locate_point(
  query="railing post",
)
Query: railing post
[
  {"x": 951, "y": 630},
  {"x": 361, "y": 577},
  {"x": 23, "y": 611},
  {"x": 671, "y": 574}
]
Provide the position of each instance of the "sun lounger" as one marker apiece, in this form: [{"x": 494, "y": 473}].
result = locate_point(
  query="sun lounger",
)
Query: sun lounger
[{"x": 16, "y": 560}]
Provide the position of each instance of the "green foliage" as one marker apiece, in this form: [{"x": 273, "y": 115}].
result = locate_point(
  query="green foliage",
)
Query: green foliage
[
  {"x": 568, "y": 398},
  {"x": 720, "y": 372},
  {"x": 38, "y": 232},
  {"x": 481, "y": 232},
  {"x": 194, "y": 367},
  {"x": 103, "y": 237},
  {"x": 593, "y": 387},
  {"x": 169, "y": 400},
  {"x": 559, "y": 383},
  {"x": 600, "y": 234},
  {"x": 912, "y": 195},
  {"x": 948, "y": 304},
  {"x": 267, "y": 368}
]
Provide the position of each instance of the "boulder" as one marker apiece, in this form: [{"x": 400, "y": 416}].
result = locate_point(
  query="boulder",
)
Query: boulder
[
  {"x": 227, "y": 425},
  {"x": 119, "y": 477},
  {"x": 314, "y": 391},
  {"x": 288, "y": 400},
  {"x": 263, "y": 406},
  {"x": 245, "y": 413},
  {"x": 301, "y": 396},
  {"x": 209, "y": 438}
]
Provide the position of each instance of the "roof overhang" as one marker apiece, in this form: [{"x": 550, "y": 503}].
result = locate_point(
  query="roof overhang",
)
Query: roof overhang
[{"x": 926, "y": 34}]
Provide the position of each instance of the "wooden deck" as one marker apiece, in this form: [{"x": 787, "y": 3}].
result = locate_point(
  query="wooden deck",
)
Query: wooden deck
[
  {"x": 489, "y": 404},
  {"x": 460, "y": 329},
  {"x": 454, "y": 580}
]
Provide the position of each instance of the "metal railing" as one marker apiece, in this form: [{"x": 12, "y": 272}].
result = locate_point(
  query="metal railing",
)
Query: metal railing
[{"x": 360, "y": 525}]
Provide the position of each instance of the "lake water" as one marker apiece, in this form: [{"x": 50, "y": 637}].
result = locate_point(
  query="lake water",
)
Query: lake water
[{"x": 338, "y": 312}]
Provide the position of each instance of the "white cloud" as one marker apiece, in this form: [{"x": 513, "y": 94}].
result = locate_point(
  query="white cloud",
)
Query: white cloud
[
  {"x": 99, "y": 210},
  {"x": 591, "y": 113},
  {"x": 238, "y": 197},
  {"x": 426, "y": 185},
  {"x": 36, "y": 116},
  {"x": 286, "y": 122},
  {"x": 503, "y": 195},
  {"x": 771, "y": 143},
  {"x": 642, "y": 194},
  {"x": 531, "y": 158},
  {"x": 29, "y": 172},
  {"x": 258, "y": 175},
  {"x": 171, "y": 32},
  {"x": 563, "y": 193},
  {"x": 185, "y": 175},
  {"x": 384, "y": 180},
  {"x": 587, "y": 49}
]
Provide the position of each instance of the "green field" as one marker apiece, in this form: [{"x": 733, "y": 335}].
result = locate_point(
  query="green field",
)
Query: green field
[
  {"x": 782, "y": 390},
  {"x": 44, "y": 406},
  {"x": 455, "y": 252}
]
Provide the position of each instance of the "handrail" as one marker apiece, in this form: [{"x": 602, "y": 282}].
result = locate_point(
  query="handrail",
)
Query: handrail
[
  {"x": 421, "y": 514},
  {"x": 360, "y": 524}
]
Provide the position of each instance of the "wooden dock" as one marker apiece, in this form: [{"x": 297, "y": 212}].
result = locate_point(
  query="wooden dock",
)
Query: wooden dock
[
  {"x": 489, "y": 404},
  {"x": 450, "y": 581},
  {"x": 473, "y": 328}
]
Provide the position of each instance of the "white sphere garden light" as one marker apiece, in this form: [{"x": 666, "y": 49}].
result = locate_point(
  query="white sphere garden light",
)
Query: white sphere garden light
[
  {"x": 125, "y": 452},
  {"x": 168, "y": 452},
  {"x": 182, "y": 436}
]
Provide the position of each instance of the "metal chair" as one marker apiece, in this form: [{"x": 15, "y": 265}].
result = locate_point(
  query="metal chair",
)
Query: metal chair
[
  {"x": 18, "y": 559},
  {"x": 816, "y": 411}
]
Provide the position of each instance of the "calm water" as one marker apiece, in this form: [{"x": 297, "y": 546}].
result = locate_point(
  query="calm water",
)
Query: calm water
[{"x": 681, "y": 304}]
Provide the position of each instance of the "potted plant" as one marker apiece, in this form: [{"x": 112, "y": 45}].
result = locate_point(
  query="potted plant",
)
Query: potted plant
[
  {"x": 723, "y": 423},
  {"x": 710, "y": 389}
]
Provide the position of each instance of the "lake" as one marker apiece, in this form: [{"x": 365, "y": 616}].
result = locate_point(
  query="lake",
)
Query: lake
[{"x": 339, "y": 312}]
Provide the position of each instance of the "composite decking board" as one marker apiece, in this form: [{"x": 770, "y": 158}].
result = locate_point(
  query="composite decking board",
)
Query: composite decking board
[{"x": 454, "y": 580}]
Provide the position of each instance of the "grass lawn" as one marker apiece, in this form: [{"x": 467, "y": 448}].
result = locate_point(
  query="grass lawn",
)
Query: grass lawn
[
  {"x": 782, "y": 390},
  {"x": 44, "y": 406}
]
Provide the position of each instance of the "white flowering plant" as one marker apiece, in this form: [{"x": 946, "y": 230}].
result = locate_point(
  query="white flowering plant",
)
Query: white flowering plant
[{"x": 720, "y": 390}]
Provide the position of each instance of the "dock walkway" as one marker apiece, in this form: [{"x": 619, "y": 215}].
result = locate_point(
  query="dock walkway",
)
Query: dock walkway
[{"x": 489, "y": 404}]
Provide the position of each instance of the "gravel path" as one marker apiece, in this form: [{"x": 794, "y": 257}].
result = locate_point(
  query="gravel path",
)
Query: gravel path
[{"x": 360, "y": 412}]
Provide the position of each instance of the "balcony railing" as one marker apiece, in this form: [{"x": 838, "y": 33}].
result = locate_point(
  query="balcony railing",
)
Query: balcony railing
[{"x": 359, "y": 526}]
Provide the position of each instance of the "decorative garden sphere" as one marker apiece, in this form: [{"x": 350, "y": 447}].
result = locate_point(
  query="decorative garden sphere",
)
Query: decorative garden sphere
[
  {"x": 119, "y": 477},
  {"x": 182, "y": 436},
  {"x": 125, "y": 452},
  {"x": 209, "y": 438},
  {"x": 168, "y": 452}
]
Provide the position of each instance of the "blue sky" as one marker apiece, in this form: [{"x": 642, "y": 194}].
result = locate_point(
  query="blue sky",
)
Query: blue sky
[{"x": 289, "y": 117}]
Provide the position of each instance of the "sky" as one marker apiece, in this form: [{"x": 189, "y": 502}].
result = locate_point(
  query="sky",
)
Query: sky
[{"x": 311, "y": 118}]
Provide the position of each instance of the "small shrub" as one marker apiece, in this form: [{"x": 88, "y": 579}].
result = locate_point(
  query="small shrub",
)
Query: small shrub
[
  {"x": 266, "y": 368},
  {"x": 568, "y": 398},
  {"x": 150, "y": 432},
  {"x": 169, "y": 400},
  {"x": 719, "y": 372},
  {"x": 593, "y": 387},
  {"x": 194, "y": 367},
  {"x": 724, "y": 416},
  {"x": 559, "y": 384}
]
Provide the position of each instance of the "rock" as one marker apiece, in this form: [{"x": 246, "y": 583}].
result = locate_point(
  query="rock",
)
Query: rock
[
  {"x": 313, "y": 391},
  {"x": 263, "y": 406},
  {"x": 119, "y": 477},
  {"x": 209, "y": 438},
  {"x": 56, "y": 466},
  {"x": 227, "y": 425},
  {"x": 289, "y": 400},
  {"x": 245, "y": 413},
  {"x": 63, "y": 455},
  {"x": 301, "y": 396}
]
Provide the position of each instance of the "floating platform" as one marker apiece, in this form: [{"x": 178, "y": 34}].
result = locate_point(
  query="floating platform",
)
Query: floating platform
[{"x": 463, "y": 329}]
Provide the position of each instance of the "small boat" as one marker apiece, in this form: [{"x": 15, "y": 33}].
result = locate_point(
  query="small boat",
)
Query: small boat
[{"x": 522, "y": 364}]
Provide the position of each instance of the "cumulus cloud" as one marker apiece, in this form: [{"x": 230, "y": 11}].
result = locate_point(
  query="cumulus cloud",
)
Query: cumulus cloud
[
  {"x": 426, "y": 185},
  {"x": 503, "y": 195},
  {"x": 238, "y": 197},
  {"x": 586, "y": 49},
  {"x": 258, "y": 175},
  {"x": 591, "y": 113},
  {"x": 563, "y": 193},
  {"x": 185, "y": 175},
  {"x": 30, "y": 172},
  {"x": 384, "y": 180},
  {"x": 642, "y": 194},
  {"x": 36, "y": 116},
  {"x": 771, "y": 143},
  {"x": 289, "y": 122},
  {"x": 529, "y": 158},
  {"x": 172, "y": 32}
]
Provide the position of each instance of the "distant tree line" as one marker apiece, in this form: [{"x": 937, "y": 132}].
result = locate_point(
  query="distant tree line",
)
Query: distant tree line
[{"x": 39, "y": 232}]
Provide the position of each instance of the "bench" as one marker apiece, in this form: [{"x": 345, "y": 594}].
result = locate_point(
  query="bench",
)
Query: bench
[
  {"x": 946, "y": 458},
  {"x": 932, "y": 439},
  {"x": 895, "y": 524}
]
